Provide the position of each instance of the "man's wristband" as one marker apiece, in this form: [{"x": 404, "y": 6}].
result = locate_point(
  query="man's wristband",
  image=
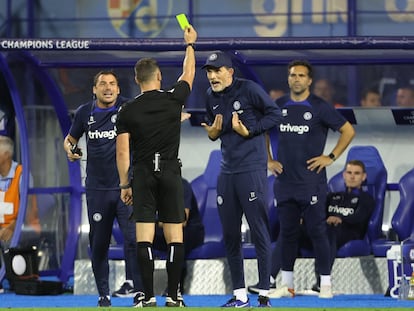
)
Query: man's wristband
[
  {"x": 124, "y": 186},
  {"x": 332, "y": 156},
  {"x": 192, "y": 45}
]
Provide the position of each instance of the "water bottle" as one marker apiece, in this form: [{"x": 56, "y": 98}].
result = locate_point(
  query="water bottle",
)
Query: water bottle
[
  {"x": 410, "y": 294},
  {"x": 404, "y": 288}
]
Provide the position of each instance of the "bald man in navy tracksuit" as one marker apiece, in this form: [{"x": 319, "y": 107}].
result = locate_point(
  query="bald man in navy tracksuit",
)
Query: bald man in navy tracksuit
[
  {"x": 301, "y": 186},
  {"x": 239, "y": 112}
]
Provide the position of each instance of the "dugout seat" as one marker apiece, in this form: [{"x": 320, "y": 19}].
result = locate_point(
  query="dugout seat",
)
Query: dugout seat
[
  {"x": 375, "y": 184},
  {"x": 402, "y": 221},
  {"x": 205, "y": 192}
]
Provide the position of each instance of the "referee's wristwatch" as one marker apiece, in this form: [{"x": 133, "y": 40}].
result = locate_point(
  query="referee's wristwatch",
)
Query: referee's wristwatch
[{"x": 332, "y": 156}]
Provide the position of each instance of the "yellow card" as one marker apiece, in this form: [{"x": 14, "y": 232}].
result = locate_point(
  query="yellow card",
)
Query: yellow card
[{"x": 182, "y": 20}]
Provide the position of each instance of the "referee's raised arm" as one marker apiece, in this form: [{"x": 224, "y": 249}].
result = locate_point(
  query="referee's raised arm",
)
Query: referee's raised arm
[{"x": 190, "y": 37}]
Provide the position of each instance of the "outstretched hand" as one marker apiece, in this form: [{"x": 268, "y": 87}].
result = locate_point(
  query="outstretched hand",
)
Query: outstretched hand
[
  {"x": 214, "y": 130},
  {"x": 238, "y": 125}
]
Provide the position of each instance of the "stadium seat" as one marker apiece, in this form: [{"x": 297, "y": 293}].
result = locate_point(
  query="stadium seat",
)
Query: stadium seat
[
  {"x": 402, "y": 221},
  {"x": 205, "y": 192}
]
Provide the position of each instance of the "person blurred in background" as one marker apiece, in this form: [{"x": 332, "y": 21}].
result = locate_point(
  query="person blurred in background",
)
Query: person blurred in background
[
  {"x": 405, "y": 96},
  {"x": 275, "y": 93},
  {"x": 370, "y": 98},
  {"x": 324, "y": 89}
]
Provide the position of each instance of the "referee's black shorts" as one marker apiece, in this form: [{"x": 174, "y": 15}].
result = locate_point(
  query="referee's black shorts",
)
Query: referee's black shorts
[{"x": 158, "y": 196}]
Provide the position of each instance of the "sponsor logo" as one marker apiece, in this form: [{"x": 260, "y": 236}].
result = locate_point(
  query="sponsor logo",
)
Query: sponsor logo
[
  {"x": 215, "y": 107},
  {"x": 219, "y": 200},
  {"x": 111, "y": 134},
  {"x": 288, "y": 128},
  {"x": 345, "y": 211}
]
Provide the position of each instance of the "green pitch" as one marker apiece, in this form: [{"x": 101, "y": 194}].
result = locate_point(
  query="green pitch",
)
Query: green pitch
[{"x": 207, "y": 309}]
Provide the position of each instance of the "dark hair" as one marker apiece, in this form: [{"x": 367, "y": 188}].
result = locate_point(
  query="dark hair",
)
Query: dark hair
[
  {"x": 357, "y": 163},
  {"x": 145, "y": 69},
  {"x": 367, "y": 91},
  {"x": 104, "y": 72},
  {"x": 301, "y": 62}
]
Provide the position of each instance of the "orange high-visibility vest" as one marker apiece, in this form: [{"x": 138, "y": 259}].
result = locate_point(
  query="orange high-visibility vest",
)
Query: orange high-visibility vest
[{"x": 12, "y": 195}]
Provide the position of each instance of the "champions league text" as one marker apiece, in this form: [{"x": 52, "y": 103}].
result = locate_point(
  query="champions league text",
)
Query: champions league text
[{"x": 45, "y": 44}]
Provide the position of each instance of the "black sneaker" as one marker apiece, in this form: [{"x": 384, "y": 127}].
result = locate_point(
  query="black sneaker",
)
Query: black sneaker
[
  {"x": 254, "y": 289},
  {"x": 169, "y": 302},
  {"x": 264, "y": 302},
  {"x": 316, "y": 288},
  {"x": 126, "y": 290},
  {"x": 104, "y": 301},
  {"x": 140, "y": 302}
]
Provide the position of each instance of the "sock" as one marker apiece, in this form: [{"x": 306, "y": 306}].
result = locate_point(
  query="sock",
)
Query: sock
[
  {"x": 325, "y": 280},
  {"x": 287, "y": 278},
  {"x": 263, "y": 292},
  {"x": 130, "y": 282},
  {"x": 146, "y": 265},
  {"x": 174, "y": 266},
  {"x": 240, "y": 294}
]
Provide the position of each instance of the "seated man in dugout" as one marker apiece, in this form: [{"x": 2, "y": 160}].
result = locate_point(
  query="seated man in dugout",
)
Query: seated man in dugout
[{"x": 10, "y": 181}]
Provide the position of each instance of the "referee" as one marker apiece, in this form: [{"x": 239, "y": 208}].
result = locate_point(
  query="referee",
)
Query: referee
[{"x": 151, "y": 123}]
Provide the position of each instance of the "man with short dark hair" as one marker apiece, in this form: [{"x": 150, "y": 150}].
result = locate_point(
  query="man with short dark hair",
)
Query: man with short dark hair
[
  {"x": 96, "y": 119},
  {"x": 150, "y": 126},
  {"x": 301, "y": 186}
]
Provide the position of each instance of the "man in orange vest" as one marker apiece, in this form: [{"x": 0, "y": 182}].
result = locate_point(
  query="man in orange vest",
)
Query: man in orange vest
[{"x": 10, "y": 175}]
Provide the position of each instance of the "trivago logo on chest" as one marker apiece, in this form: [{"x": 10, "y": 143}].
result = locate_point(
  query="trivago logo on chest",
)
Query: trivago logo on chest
[
  {"x": 111, "y": 134},
  {"x": 288, "y": 128}
]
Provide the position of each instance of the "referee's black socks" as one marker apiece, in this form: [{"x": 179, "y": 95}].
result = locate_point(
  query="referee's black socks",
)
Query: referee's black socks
[
  {"x": 146, "y": 266},
  {"x": 175, "y": 261}
]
